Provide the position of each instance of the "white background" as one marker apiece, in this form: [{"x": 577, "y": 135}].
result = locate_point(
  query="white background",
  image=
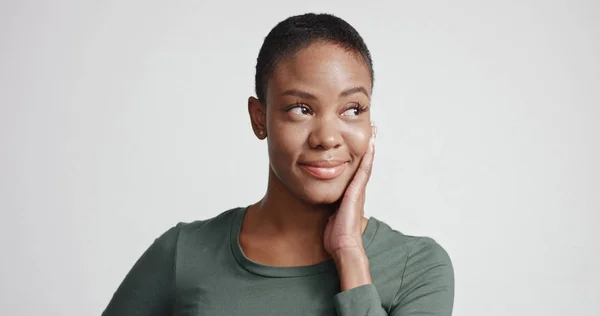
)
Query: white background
[{"x": 119, "y": 119}]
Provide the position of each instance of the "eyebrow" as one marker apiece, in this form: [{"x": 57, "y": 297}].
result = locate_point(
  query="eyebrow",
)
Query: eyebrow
[
  {"x": 354, "y": 90},
  {"x": 306, "y": 95},
  {"x": 299, "y": 93}
]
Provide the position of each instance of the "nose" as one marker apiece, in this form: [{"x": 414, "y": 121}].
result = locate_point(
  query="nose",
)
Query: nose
[{"x": 326, "y": 133}]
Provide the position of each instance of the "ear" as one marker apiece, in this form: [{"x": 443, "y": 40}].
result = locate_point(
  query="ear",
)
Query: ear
[{"x": 258, "y": 117}]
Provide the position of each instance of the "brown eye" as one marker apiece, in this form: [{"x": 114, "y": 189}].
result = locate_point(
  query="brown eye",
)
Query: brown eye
[
  {"x": 355, "y": 110},
  {"x": 300, "y": 109},
  {"x": 352, "y": 112}
]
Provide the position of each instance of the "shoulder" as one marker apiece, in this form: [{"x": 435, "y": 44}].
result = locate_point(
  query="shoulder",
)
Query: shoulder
[
  {"x": 204, "y": 231},
  {"x": 414, "y": 269},
  {"x": 414, "y": 249},
  {"x": 218, "y": 222},
  {"x": 169, "y": 237},
  {"x": 426, "y": 250},
  {"x": 410, "y": 260}
]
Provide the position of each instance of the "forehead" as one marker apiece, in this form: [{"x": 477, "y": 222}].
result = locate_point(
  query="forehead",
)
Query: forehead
[{"x": 321, "y": 67}]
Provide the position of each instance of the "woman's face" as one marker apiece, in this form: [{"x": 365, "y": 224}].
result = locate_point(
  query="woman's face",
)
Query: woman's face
[{"x": 317, "y": 121}]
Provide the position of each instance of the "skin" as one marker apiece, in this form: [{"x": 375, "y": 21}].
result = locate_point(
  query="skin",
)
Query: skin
[{"x": 317, "y": 109}]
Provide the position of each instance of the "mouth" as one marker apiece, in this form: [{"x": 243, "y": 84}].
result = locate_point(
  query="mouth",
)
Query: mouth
[{"x": 325, "y": 169}]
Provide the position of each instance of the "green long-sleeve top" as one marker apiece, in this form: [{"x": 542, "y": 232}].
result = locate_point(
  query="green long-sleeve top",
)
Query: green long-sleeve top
[{"x": 199, "y": 268}]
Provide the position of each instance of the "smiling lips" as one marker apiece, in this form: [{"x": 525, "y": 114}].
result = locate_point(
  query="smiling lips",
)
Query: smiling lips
[{"x": 324, "y": 169}]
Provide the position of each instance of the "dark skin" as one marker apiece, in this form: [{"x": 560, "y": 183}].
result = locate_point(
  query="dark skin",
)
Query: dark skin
[{"x": 316, "y": 112}]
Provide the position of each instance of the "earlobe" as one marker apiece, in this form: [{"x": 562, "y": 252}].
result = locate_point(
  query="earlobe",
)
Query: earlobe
[{"x": 256, "y": 110}]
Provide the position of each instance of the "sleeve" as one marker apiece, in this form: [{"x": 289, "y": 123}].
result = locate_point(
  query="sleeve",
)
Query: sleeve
[
  {"x": 363, "y": 300},
  {"x": 148, "y": 288},
  {"x": 427, "y": 287}
]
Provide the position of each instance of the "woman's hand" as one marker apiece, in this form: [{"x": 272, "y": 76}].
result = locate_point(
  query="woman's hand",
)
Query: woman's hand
[{"x": 343, "y": 232}]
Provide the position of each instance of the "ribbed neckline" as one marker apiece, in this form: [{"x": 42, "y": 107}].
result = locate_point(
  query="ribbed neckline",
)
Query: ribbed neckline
[{"x": 283, "y": 272}]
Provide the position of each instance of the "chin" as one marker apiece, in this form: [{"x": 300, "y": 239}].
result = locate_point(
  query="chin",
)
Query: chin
[{"x": 322, "y": 194}]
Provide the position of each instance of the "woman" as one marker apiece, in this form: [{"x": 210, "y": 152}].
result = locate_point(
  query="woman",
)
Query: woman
[{"x": 305, "y": 248}]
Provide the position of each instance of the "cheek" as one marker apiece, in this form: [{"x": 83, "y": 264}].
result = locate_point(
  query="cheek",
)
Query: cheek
[
  {"x": 285, "y": 142},
  {"x": 357, "y": 140}
]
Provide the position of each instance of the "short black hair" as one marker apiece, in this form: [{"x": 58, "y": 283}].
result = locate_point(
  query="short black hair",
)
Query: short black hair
[{"x": 297, "y": 32}]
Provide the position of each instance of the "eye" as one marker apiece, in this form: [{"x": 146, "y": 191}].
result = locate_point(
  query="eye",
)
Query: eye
[
  {"x": 300, "y": 109},
  {"x": 354, "y": 110}
]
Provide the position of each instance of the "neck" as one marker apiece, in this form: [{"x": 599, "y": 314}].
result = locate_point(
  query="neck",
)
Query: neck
[{"x": 282, "y": 214}]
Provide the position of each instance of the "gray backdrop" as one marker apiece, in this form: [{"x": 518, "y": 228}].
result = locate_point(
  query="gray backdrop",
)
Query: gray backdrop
[{"x": 120, "y": 118}]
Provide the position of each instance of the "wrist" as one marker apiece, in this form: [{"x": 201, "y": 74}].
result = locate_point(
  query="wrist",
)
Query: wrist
[{"x": 348, "y": 254}]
